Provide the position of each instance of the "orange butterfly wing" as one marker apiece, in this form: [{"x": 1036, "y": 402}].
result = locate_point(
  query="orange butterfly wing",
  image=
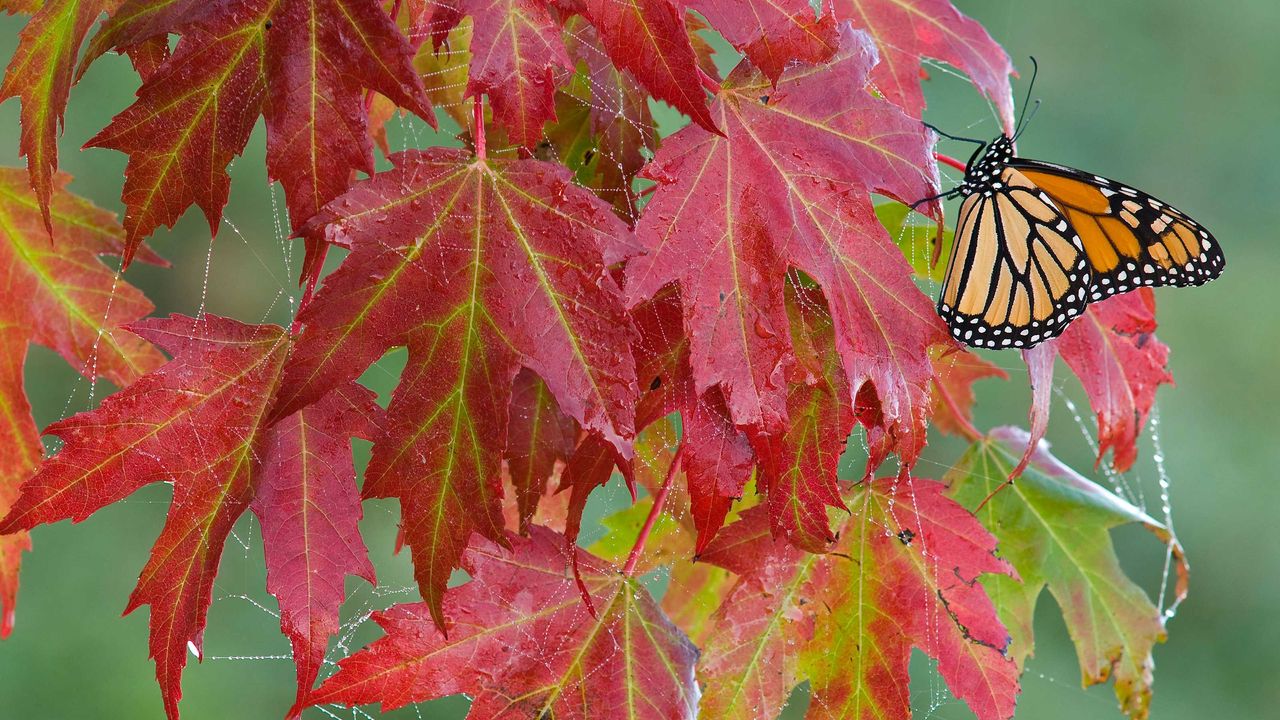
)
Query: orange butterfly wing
[{"x": 1131, "y": 238}]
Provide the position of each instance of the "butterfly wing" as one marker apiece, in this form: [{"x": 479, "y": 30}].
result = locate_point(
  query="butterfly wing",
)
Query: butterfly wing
[
  {"x": 1018, "y": 273},
  {"x": 1131, "y": 238}
]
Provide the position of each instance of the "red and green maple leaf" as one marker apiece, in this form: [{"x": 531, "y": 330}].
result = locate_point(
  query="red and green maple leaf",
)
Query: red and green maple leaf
[
  {"x": 443, "y": 64},
  {"x": 480, "y": 267},
  {"x": 604, "y": 127},
  {"x": 41, "y": 73},
  {"x": 798, "y": 468},
  {"x": 1054, "y": 528},
  {"x": 522, "y": 643},
  {"x": 54, "y": 291},
  {"x": 787, "y": 186},
  {"x": 902, "y": 576},
  {"x": 59, "y": 290},
  {"x": 302, "y": 64}
]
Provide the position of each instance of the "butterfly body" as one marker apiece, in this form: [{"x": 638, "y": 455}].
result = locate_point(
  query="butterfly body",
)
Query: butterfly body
[{"x": 1035, "y": 243}]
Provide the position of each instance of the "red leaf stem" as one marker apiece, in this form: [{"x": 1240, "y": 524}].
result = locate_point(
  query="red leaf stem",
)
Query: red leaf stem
[
  {"x": 967, "y": 428},
  {"x": 638, "y": 549},
  {"x": 711, "y": 84},
  {"x": 948, "y": 160},
  {"x": 477, "y": 111}
]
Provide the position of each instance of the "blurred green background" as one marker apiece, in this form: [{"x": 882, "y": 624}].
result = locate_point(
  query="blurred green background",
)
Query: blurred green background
[{"x": 1173, "y": 96}]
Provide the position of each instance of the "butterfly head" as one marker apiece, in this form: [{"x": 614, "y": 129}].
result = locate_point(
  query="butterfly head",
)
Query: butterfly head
[{"x": 986, "y": 165}]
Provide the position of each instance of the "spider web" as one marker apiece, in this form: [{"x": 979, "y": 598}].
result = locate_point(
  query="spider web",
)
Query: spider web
[{"x": 240, "y": 588}]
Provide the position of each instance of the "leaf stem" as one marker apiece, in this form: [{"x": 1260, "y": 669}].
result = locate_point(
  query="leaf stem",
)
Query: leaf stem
[
  {"x": 477, "y": 112},
  {"x": 966, "y": 427},
  {"x": 948, "y": 160},
  {"x": 658, "y": 501},
  {"x": 995, "y": 492},
  {"x": 709, "y": 83}
]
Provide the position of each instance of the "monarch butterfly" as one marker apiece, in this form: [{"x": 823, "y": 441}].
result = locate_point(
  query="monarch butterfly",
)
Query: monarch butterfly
[{"x": 1035, "y": 243}]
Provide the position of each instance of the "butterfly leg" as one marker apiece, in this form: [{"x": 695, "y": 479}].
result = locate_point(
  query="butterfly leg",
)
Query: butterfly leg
[{"x": 940, "y": 196}]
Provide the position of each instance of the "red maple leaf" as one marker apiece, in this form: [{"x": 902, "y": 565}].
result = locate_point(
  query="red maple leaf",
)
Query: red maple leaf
[
  {"x": 309, "y": 507},
  {"x": 522, "y": 643},
  {"x": 906, "y": 30},
  {"x": 954, "y": 373},
  {"x": 1040, "y": 361},
  {"x": 1121, "y": 365},
  {"x": 718, "y": 461},
  {"x": 539, "y": 436},
  {"x": 480, "y": 267},
  {"x": 516, "y": 56},
  {"x": 649, "y": 38},
  {"x": 303, "y": 64},
  {"x": 788, "y": 186},
  {"x": 773, "y": 33},
  {"x": 193, "y": 421},
  {"x": 20, "y": 437}
]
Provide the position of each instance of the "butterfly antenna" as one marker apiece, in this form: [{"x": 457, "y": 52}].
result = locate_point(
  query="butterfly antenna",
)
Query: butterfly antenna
[
  {"x": 1027, "y": 123},
  {"x": 1023, "y": 118}
]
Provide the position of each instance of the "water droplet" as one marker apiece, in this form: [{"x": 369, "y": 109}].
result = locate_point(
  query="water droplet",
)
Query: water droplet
[{"x": 762, "y": 328}]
